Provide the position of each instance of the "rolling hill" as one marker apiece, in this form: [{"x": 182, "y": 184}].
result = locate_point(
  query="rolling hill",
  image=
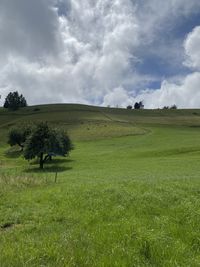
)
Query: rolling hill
[{"x": 128, "y": 195}]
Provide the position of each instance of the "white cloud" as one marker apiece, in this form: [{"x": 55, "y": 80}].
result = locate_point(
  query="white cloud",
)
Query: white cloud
[
  {"x": 29, "y": 29},
  {"x": 186, "y": 91},
  {"x": 192, "y": 48},
  {"x": 86, "y": 53},
  {"x": 119, "y": 97},
  {"x": 157, "y": 15},
  {"x": 78, "y": 58}
]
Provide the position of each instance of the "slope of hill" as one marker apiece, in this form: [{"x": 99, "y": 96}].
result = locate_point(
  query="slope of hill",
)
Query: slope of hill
[
  {"x": 127, "y": 196},
  {"x": 89, "y": 122}
]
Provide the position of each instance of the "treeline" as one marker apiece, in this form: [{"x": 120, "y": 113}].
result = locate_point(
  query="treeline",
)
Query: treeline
[
  {"x": 137, "y": 105},
  {"x": 15, "y": 101},
  {"x": 140, "y": 105}
]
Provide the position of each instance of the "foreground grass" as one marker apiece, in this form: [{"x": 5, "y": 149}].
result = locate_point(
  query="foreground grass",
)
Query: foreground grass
[{"x": 119, "y": 201}]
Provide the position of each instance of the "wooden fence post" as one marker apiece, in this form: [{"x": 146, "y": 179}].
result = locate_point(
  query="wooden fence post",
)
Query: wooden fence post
[{"x": 56, "y": 177}]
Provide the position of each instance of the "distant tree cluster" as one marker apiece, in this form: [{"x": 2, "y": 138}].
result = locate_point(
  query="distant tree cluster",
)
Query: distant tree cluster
[
  {"x": 41, "y": 141},
  {"x": 170, "y": 107},
  {"x": 140, "y": 105},
  {"x": 15, "y": 101},
  {"x": 137, "y": 105}
]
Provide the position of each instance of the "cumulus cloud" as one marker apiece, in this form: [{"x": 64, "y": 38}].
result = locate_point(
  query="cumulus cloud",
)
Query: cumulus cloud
[
  {"x": 28, "y": 28},
  {"x": 118, "y": 97},
  {"x": 192, "y": 48},
  {"x": 78, "y": 57},
  {"x": 185, "y": 91},
  {"x": 86, "y": 51}
]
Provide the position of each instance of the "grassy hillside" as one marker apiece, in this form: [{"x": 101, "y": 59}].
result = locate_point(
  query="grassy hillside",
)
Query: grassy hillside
[{"x": 129, "y": 195}]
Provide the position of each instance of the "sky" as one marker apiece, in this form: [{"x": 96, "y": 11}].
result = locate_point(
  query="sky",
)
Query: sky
[{"x": 101, "y": 52}]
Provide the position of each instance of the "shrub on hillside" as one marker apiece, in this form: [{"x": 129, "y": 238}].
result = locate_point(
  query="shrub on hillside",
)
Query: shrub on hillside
[{"x": 129, "y": 107}]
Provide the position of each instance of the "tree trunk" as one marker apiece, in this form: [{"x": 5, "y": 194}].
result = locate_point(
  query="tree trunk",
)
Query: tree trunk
[
  {"x": 47, "y": 157},
  {"x": 41, "y": 161}
]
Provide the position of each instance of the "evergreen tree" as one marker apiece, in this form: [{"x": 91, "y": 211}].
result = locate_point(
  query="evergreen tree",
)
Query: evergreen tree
[{"x": 14, "y": 101}]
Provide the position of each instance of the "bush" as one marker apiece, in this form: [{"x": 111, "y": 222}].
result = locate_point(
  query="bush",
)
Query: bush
[{"x": 129, "y": 107}]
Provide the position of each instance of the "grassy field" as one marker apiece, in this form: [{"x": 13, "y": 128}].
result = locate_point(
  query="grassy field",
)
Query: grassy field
[{"x": 129, "y": 194}]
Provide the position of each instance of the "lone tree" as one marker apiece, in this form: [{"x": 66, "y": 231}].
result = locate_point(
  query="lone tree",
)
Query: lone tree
[
  {"x": 14, "y": 101},
  {"x": 173, "y": 107},
  {"x": 45, "y": 142},
  {"x": 18, "y": 136},
  {"x": 139, "y": 105}
]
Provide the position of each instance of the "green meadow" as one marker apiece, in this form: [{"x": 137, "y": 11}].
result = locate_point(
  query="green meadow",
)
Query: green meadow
[{"x": 128, "y": 195}]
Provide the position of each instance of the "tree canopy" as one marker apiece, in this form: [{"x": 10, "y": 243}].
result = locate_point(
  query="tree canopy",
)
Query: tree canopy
[
  {"x": 44, "y": 142},
  {"x": 14, "y": 101},
  {"x": 139, "y": 105},
  {"x": 18, "y": 135}
]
